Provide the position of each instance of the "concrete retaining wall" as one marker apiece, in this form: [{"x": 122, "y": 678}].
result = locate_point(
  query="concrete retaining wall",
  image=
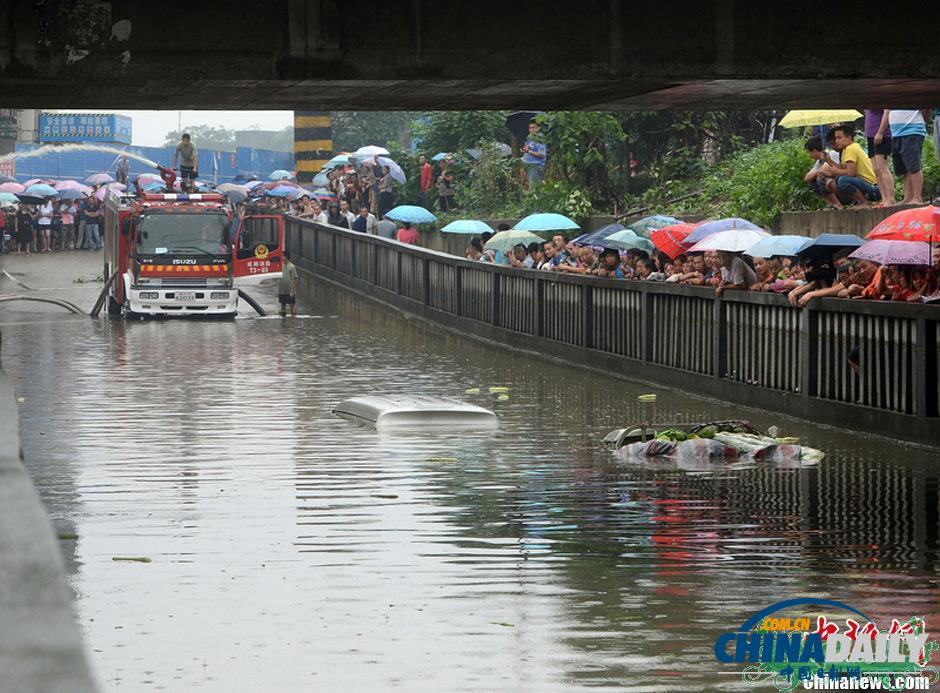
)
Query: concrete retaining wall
[
  {"x": 40, "y": 641},
  {"x": 854, "y": 221}
]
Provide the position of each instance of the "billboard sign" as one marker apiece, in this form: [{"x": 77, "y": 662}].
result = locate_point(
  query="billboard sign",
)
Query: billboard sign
[{"x": 84, "y": 127}]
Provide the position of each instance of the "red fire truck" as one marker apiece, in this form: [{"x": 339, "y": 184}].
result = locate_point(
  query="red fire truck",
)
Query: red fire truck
[{"x": 177, "y": 254}]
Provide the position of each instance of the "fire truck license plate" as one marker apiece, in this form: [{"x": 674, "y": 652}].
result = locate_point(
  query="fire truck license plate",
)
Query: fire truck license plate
[{"x": 185, "y": 295}]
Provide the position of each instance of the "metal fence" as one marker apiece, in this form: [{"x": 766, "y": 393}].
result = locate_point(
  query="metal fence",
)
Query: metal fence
[{"x": 747, "y": 347}]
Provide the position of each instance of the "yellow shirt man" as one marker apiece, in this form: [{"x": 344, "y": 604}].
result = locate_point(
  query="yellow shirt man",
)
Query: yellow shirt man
[{"x": 863, "y": 167}]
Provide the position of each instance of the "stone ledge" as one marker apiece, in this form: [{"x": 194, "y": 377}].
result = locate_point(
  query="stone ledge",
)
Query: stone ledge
[
  {"x": 40, "y": 641},
  {"x": 854, "y": 221}
]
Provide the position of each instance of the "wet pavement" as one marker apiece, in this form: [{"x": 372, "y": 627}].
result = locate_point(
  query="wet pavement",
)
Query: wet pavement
[{"x": 290, "y": 550}]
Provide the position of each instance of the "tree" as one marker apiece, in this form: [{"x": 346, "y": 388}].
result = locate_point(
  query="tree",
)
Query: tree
[
  {"x": 204, "y": 137},
  {"x": 354, "y": 129},
  {"x": 455, "y": 131}
]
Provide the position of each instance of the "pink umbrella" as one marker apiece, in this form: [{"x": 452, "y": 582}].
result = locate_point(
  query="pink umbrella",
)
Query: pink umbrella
[
  {"x": 14, "y": 188},
  {"x": 116, "y": 186},
  {"x": 34, "y": 181},
  {"x": 99, "y": 178},
  {"x": 72, "y": 185},
  {"x": 145, "y": 178},
  {"x": 887, "y": 252}
]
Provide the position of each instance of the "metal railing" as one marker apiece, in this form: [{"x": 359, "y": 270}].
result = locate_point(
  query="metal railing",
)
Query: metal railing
[{"x": 751, "y": 348}]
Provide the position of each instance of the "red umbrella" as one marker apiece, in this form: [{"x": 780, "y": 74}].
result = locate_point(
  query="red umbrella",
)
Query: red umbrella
[
  {"x": 671, "y": 239},
  {"x": 917, "y": 224}
]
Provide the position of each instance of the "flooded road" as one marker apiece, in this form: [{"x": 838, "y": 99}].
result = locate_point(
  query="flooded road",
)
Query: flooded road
[{"x": 290, "y": 550}]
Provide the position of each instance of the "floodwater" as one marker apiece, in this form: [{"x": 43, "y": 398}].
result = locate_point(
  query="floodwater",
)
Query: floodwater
[{"x": 293, "y": 551}]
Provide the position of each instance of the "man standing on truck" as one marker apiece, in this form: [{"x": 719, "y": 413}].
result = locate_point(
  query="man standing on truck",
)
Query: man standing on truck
[
  {"x": 287, "y": 287},
  {"x": 189, "y": 161}
]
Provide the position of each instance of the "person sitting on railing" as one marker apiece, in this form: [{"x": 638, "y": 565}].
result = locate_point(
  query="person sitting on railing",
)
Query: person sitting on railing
[
  {"x": 609, "y": 265},
  {"x": 735, "y": 273}
]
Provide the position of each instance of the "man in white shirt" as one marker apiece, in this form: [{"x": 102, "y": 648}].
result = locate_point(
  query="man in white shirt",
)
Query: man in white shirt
[
  {"x": 819, "y": 177},
  {"x": 344, "y": 210},
  {"x": 908, "y": 130},
  {"x": 735, "y": 273}
]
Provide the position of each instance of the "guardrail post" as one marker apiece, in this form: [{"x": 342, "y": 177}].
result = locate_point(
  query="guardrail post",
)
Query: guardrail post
[
  {"x": 587, "y": 316},
  {"x": 458, "y": 291},
  {"x": 539, "y": 307},
  {"x": 426, "y": 289},
  {"x": 335, "y": 242},
  {"x": 809, "y": 328},
  {"x": 375, "y": 263},
  {"x": 316, "y": 245},
  {"x": 921, "y": 384},
  {"x": 719, "y": 338},
  {"x": 646, "y": 323},
  {"x": 398, "y": 262},
  {"x": 352, "y": 257},
  {"x": 494, "y": 300}
]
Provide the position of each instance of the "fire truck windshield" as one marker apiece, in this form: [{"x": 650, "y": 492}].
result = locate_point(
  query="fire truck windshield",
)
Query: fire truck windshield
[{"x": 185, "y": 233}]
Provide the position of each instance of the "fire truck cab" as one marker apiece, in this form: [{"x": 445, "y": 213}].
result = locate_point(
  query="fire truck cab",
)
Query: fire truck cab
[{"x": 183, "y": 254}]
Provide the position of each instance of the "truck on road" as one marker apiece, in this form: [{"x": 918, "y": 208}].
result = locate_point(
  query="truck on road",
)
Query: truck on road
[{"x": 177, "y": 254}]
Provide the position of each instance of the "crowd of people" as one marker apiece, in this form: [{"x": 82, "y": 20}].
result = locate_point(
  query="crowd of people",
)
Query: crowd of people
[
  {"x": 53, "y": 225},
  {"x": 801, "y": 280},
  {"x": 845, "y": 173}
]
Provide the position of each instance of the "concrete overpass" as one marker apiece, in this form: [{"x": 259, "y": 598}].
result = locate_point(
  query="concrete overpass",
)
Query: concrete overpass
[{"x": 415, "y": 54}]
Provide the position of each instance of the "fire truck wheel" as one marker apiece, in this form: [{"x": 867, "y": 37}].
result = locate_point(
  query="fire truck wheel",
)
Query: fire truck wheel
[{"x": 114, "y": 308}]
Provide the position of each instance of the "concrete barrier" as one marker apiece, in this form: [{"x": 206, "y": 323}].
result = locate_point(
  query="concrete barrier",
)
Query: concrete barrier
[
  {"x": 40, "y": 641},
  {"x": 854, "y": 221}
]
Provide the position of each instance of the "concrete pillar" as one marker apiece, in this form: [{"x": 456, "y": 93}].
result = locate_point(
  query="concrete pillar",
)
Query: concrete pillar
[{"x": 313, "y": 142}]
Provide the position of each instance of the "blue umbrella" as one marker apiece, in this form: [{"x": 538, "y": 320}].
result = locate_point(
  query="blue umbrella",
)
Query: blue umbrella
[
  {"x": 595, "y": 237},
  {"x": 439, "y": 156},
  {"x": 825, "y": 244},
  {"x": 627, "y": 239},
  {"x": 411, "y": 213},
  {"x": 281, "y": 174},
  {"x": 41, "y": 190},
  {"x": 281, "y": 191},
  {"x": 72, "y": 194},
  {"x": 8, "y": 198},
  {"x": 321, "y": 180},
  {"x": 777, "y": 245},
  {"x": 468, "y": 226},
  {"x": 709, "y": 227},
  {"x": 546, "y": 222}
]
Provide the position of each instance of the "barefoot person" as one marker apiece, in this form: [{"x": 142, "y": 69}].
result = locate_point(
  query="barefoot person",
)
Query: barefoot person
[{"x": 287, "y": 287}]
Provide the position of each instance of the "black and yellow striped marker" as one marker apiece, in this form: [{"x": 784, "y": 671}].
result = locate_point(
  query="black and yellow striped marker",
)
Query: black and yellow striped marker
[{"x": 313, "y": 142}]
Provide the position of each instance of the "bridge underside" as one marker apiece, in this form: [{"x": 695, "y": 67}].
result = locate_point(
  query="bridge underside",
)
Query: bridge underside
[{"x": 596, "y": 54}]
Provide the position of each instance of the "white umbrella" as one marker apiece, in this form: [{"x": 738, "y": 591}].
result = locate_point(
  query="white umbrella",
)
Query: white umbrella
[
  {"x": 393, "y": 169},
  {"x": 506, "y": 240},
  {"x": 732, "y": 241},
  {"x": 370, "y": 151}
]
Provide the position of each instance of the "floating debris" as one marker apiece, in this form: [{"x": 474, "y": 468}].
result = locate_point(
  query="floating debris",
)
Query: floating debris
[
  {"x": 496, "y": 389},
  {"x": 472, "y": 390},
  {"x": 134, "y": 559},
  {"x": 442, "y": 460},
  {"x": 647, "y": 398},
  {"x": 67, "y": 536},
  {"x": 502, "y": 398},
  {"x": 384, "y": 495}
]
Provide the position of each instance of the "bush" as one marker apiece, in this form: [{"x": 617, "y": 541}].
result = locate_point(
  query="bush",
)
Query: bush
[
  {"x": 931, "y": 171},
  {"x": 759, "y": 183},
  {"x": 489, "y": 185},
  {"x": 557, "y": 196}
]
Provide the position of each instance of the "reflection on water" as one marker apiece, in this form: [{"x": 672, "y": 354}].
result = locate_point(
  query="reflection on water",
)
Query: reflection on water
[{"x": 292, "y": 550}]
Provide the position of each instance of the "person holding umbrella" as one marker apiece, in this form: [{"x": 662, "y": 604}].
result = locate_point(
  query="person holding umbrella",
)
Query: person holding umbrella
[
  {"x": 44, "y": 222},
  {"x": 407, "y": 234},
  {"x": 445, "y": 187}
]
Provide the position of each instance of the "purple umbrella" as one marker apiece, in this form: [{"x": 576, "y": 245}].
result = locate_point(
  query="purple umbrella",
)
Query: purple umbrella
[
  {"x": 99, "y": 178},
  {"x": 708, "y": 228},
  {"x": 895, "y": 252}
]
